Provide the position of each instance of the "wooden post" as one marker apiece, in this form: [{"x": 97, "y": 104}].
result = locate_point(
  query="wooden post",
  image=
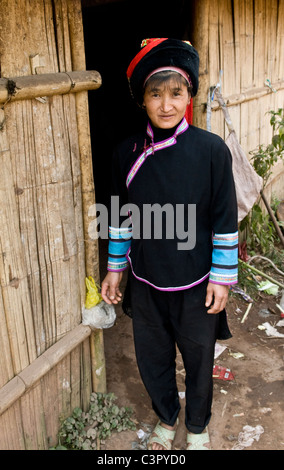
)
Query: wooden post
[
  {"x": 201, "y": 43},
  {"x": 88, "y": 190}
]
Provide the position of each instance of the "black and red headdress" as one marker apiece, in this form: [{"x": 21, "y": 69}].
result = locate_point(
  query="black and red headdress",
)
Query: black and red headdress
[{"x": 158, "y": 53}]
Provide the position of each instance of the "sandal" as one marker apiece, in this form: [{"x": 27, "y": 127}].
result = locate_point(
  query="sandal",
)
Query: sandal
[
  {"x": 162, "y": 436},
  {"x": 198, "y": 441}
]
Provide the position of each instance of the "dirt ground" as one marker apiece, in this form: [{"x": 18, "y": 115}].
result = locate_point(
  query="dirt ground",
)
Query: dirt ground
[{"x": 254, "y": 397}]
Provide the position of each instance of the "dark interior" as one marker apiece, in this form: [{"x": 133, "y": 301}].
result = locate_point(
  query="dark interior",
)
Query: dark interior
[{"x": 113, "y": 34}]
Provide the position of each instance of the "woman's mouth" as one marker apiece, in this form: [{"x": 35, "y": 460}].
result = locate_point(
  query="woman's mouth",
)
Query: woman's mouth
[{"x": 166, "y": 116}]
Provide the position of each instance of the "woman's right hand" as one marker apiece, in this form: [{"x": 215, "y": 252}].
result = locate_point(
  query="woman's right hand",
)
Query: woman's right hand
[{"x": 110, "y": 287}]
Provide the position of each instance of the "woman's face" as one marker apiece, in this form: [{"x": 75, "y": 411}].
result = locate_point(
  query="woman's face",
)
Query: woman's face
[{"x": 166, "y": 103}]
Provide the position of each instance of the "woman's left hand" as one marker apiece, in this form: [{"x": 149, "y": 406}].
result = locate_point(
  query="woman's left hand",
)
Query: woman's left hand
[{"x": 216, "y": 298}]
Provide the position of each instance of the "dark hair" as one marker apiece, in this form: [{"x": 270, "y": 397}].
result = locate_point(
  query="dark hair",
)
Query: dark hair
[{"x": 164, "y": 76}]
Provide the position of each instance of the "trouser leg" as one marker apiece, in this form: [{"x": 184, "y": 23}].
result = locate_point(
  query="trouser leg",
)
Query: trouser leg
[
  {"x": 198, "y": 364},
  {"x": 160, "y": 320},
  {"x": 155, "y": 351},
  {"x": 196, "y": 335}
]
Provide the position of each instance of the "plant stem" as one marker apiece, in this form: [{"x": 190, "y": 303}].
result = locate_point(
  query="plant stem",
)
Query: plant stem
[
  {"x": 262, "y": 274},
  {"x": 274, "y": 221}
]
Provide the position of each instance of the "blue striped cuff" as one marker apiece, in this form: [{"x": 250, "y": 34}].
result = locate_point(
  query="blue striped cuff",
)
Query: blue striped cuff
[
  {"x": 224, "y": 268},
  {"x": 119, "y": 243}
]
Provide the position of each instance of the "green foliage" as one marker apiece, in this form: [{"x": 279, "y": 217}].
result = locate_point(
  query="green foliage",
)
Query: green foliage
[
  {"x": 265, "y": 157},
  {"x": 247, "y": 281},
  {"x": 82, "y": 430},
  {"x": 260, "y": 231}
]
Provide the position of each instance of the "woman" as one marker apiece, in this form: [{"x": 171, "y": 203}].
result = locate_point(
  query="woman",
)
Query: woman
[{"x": 182, "y": 243}]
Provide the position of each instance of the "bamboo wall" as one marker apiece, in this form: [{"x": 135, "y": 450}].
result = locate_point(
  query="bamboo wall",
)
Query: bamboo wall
[
  {"x": 241, "y": 45},
  {"x": 46, "y": 187}
]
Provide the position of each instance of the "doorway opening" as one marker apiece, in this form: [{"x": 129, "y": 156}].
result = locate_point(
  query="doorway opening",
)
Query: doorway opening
[{"x": 113, "y": 31}]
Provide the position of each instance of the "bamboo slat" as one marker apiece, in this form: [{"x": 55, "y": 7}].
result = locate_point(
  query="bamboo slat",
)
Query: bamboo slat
[
  {"x": 33, "y": 373},
  {"x": 238, "y": 53},
  {"x": 13, "y": 390},
  {"x": 259, "y": 40},
  {"x": 34, "y": 437},
  {"x": 14, "y": 283},
  {"x": 62, "y": 35},
  {"x": 12, "y": 436},
  {"x": 227, "y": 49},
  {"x": 271, "y": 15},
  {"x": 279, "y": 64},
  {"x": 213, "y": 43},
  {"x": 246, "y": 43},
  {"x": 6, "y": 364}
]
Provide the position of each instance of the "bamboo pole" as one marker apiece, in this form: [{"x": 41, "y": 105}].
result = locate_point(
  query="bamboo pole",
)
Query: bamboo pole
[
  {"x": 49, "y": 84},
  {"x": 201, "y": 43},
  {"x": 252, "y": 94},
  {"x": 26, "y": 379},
  {"x": 88, "y": 189}
]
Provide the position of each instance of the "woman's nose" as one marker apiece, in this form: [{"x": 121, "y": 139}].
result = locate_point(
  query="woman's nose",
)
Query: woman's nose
[{"x": 166, "y": 104}]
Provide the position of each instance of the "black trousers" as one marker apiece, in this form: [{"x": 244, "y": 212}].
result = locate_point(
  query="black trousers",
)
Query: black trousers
[{"x": 162, "y": 320}]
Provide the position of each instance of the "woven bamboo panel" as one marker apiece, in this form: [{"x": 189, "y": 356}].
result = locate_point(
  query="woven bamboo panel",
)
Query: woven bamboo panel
[
  {"x": 241, "y": 48},
  {"x": 42, "y": 241}
]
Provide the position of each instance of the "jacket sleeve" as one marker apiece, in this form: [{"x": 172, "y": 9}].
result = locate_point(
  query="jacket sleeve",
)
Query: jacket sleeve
[
  {"x": 120, "y": 229},
  {"x": 224, "y": 268}
]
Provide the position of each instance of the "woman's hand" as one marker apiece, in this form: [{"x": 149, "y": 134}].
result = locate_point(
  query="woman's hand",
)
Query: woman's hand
[
  {"x": 110, "y": 288},
  {"x": 217, "y": 295}
]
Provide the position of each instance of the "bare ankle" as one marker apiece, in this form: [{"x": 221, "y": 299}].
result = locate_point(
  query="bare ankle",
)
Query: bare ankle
[{"x": 167, "y": 426}]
